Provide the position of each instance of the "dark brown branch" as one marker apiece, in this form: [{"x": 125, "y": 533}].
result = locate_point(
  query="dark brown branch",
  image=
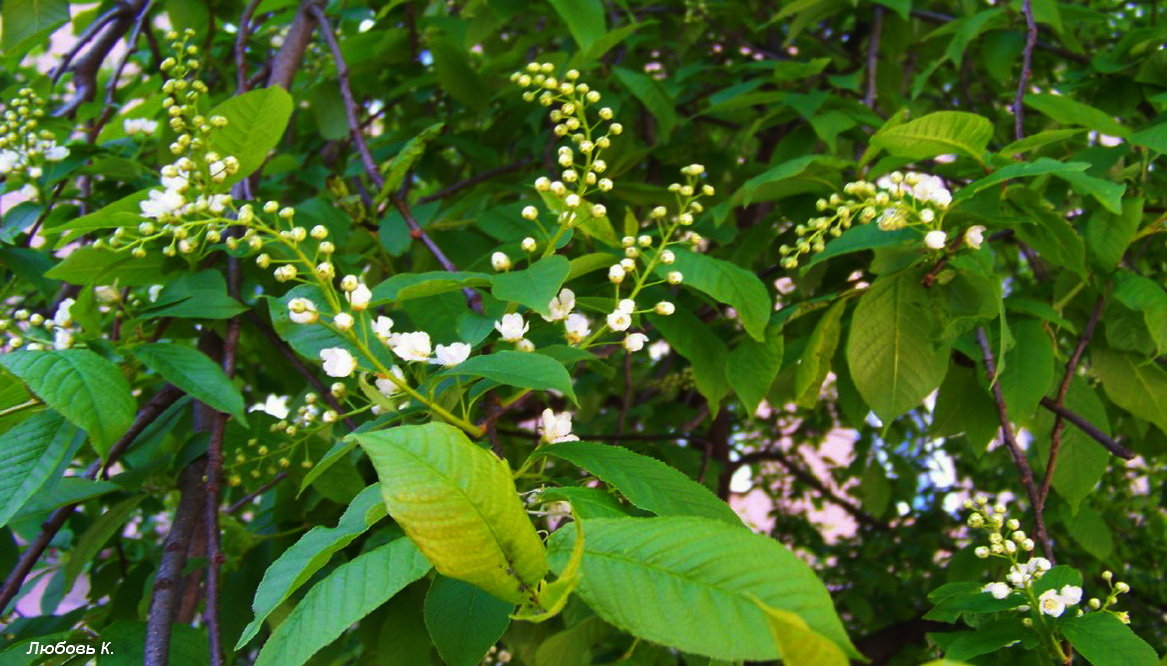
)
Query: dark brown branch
[
  {"x": 1056, "y": 434},
  {"x": 1026, "y": 68},
  {"x": 287, "y": 60},
  {"x": 241, "y": 36},
  {"x": 1090, "y": 429},
  {"x": 247, "y": 499},
  {"x": 84, "y": 39},
  {"x": 1013, "y": 447},
  {"x": 164, "y": 598},
  {"x": 111, "y": 86},
  {"x": 87, "y": 66},
  {"x": 474, "y": 180}
]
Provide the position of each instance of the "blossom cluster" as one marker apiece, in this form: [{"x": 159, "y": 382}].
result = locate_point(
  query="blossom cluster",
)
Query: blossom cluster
[
  {"x": 35, "y": 332},
  {"x": 1009, "y": 542},
  {"x": 25, "y": 148},
  {"x": 894, "y": 201}
]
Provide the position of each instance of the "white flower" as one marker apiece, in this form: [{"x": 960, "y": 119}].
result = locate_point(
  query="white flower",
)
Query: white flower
[
  {"x": 359, "y": 298},
  {"x": 500, "y": 261},
  {"x": 56, "y": 153},
  {"x": 556, "y": 427},
  {"x": 998, "y": 590},
  {"x": 413, "y": 346},
  {"x": 343, "y": 321},
  {"x": 619, "y": 320},
  {"x": 658, "y": 350},
  {"x": 63, "y": 316},
  {"x": 932, "y": 189},
  {"x": 9, "y": 160},
  {"x": 139, "y": 126},
  {"x": 1051, "y": 603},
  {"x": 626, "y": 305},
  {"x": 935, "y": 239},
  {"x": 616, "y": 273},
  {"x": 1070, "y": 594},
  {"x": 162, "y": 204},
  {"x": 338, "y": 362},
  {"x": 62, "y": 338},
  {"x": 635, "y": 342},
  {"x": 577, "y": 327},
  {"x": 511, "y": 327},
  {"x": 974, "y": 236},
  {"x": 1020, "y": 574},
  {"x": 452, "y": 354},
  {"x": 561, "y": 305},
  {"x": 388, "y": 387},
  {"x": 276, "y": 405},
  {"x": 383, "y": 328},
  {"x": 302, "y": 311}
]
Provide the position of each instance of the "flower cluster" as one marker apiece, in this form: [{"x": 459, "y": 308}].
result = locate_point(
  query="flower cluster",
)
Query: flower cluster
[
  {"x": 25, "y": 149},
  {"x": 34, "y": 332},
  {"x": 895, "y": 201},
  {"x": 1009, "y": 542}
]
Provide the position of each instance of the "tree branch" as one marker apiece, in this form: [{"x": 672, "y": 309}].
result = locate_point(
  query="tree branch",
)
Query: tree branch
[
  {"x": 241, "y": 36},
  {"x": 1090, "y": 429},
  {"x": 1026, "y": 68},
  {"x": 1010, "y": 440},
  {"x": 474, "y": 180},
  {"x": 873, "y": 56}
]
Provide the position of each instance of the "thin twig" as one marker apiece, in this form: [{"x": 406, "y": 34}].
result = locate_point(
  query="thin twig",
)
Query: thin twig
[
  {"x": 1056, "y": 435},
  {"x": 1026, "y": 68},
  {"x": 247, "y": 499},
  {"x": 1089, "y": 428},
  {"x": 244, "y": 31},
  {"x": 474, "y": 180},
  {"x": 83, "y": 40},
  {"x": 88, "y": 65},
  {"x": 1014, "y": 448},
  {"x": 112, "y": 84},
  {"x": 873, "y": 56}
]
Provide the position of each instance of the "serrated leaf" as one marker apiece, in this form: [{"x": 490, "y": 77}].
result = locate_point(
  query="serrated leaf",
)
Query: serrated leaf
[
  {"x": 406, "y": 286},
  {"x": 863, "y": 237},
  {"x": 344, "y": 597},
  {"x": 729, "y": 283},
  {"x": 1108, "y": 235},
  {"x": 800, "y": 645},
  {"x": 1028, "y": 368},
  {"x": 1039, "y": 167},
  {"x": 1105, "y": 641},
  {"x": 94, "y": 539},
  {"x": 195, "y": 296},
  {"x": 396, "y": 168},
  {"x": 647, "y": 482},
  {"x": 938, "y": 133},
  {"x": 1138, "y": 386},
  {"x": 1081, "y": 461},
  {"x": 752, "y": 366},
  {"x": 519, "y": 369},
  {"x": 255, "y": 123},
  {"x": 32, "y": 451},
  {"x": 457, "y": 501},
  {"x": 652, "y": 95},
  {"x": 585, "y": 20},
  {"x": 702, "y": 598},
  {"x": 84, "y": 387},
  {"x": 533, "y": 286},
  {"x": 894, "y": 358},
  {"x": 87, "y": 266},
  {"x": 296, "y": 565},
  {"x": 23, "y": 19},
  {"x": 463, "y": 621},
  {"x": 1069, "y": 111},
  {"x": 815, "y": 362},
  {"x": 1103, "y": 191},
  {"x": 194, "y": 373}
]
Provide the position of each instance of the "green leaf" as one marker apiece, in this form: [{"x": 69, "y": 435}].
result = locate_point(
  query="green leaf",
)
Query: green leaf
[
  {"x": 1108, "y": 235},
  {"x": 646, "y": 482},
  {"x": 1089, "y": 529},
  {"x": 406, "y": 286},
  {"x": 194, "y": 373},
  {"x": 895, "y": 359},
  {"x": 94, "y": 539},
  {"x": 938, "y": 133},
  {"x": 799, "y": 644},
  {"x": 25, "y": 19},
  {"x": 296, "y": 565},
  {"x": 196, "y": 296},
  {"x": 990, "y": 637},
  {"x": 691, "y": 584},
  {"x": 729, "y": 283},
  {"x": 463, "y": 621},
  {"x": 1046, "y": 231},
  {"x": 1103, "y": 191},
  {"x": 752, "y": 366},
  {"x": 584, "y": 18},
  {"x": 255, "y": 123},
  {"x": 1146, "y": 297},
  {"x": 32, "y": 451},
  {"x": 1038, "y": 140},
  {"x": 1039, "y": 167},
  {"x": 348, "y": 594},
  {"x": 457, "y": 502},
  {"x": 395, "y": 169},
  {"x": 863, "y": 237},
  {"x": 767, "y": 185},
  {"x": 1153, "y": 137},
  {"x": 1081, "y": 461},
  {"x": 963, "y": 406},
  {"x": 1105, "y": 641},
  {"x": 89, "y": 266},
  {"x": 124, "y": 212},
  {"x": 84, "y": 387},
  {"x": 706, "y": 352},
  {"x": 64, "y": 490},
  {"x": 1136, "y": 385},
  {"x": 1028, "y": 368},
  {"x": 815, "y": 362},
  {"x": 520, "y": 369},
  {"x": 652, "y": 95},
  {"x": 573, "y": 646},
  {"x": 533, "y": 286},
  {"x": 1072, "y": 112},
  {"x": 587, "y": 502}
]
